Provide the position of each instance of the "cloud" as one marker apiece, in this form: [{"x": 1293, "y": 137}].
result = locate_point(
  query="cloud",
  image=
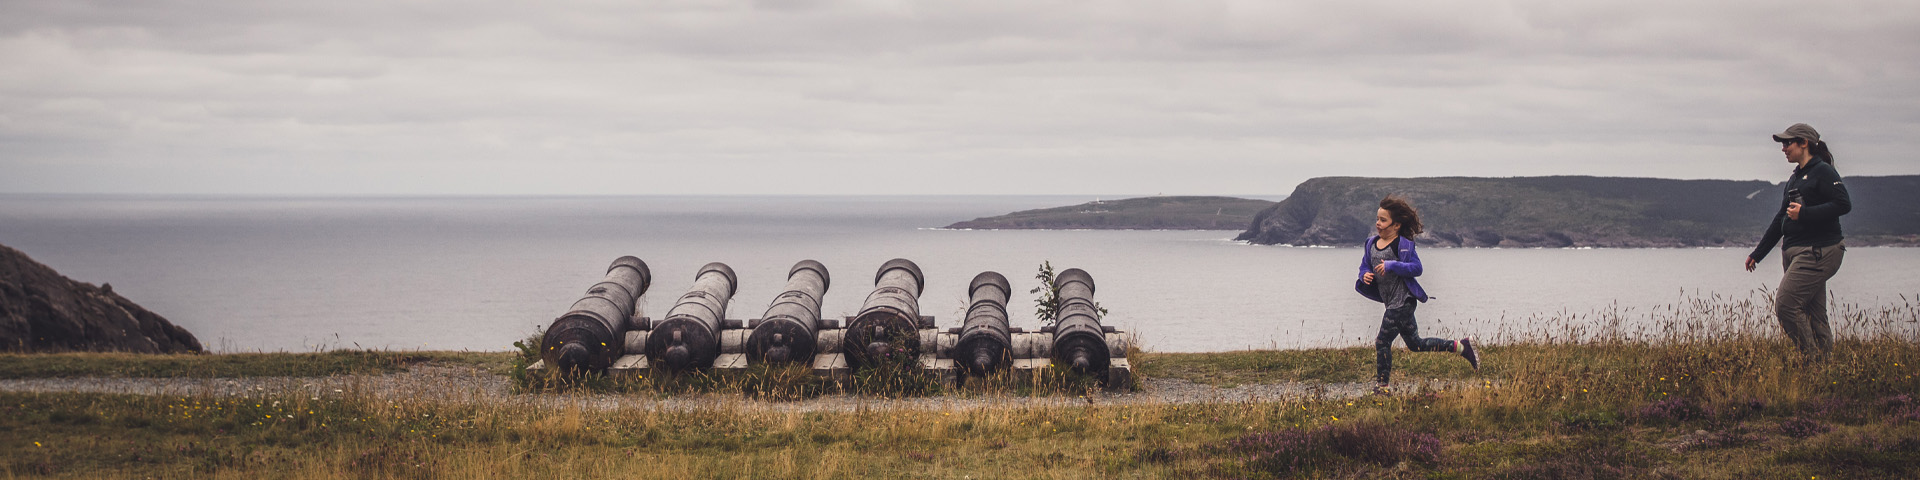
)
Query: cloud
[{"x": 426, "y": 97}]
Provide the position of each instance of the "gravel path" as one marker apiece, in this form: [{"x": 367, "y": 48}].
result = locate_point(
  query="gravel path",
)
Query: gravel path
[{"x": 463, "y": 384}]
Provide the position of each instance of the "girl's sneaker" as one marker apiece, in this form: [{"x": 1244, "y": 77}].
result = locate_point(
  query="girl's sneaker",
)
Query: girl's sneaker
[
  {"x": 1382, "y": 390},
  {"x": 1467, "y": 350}
]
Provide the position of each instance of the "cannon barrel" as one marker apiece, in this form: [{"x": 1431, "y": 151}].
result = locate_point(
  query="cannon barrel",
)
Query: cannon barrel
[
  {"x": 787, "y": 331},
  {"x": 690, "y": 334},
  {"x": 889, "y": 321},
  {"x": 1078, "y": 339},
  {"x": 985, "y": 338},
  {"x": 591, "y": 334}
]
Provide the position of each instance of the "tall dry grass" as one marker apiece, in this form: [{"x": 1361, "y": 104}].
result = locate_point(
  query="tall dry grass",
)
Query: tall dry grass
[
  {"x": 1584, "y": 395},
  {"x": 1710, "y": 350}
]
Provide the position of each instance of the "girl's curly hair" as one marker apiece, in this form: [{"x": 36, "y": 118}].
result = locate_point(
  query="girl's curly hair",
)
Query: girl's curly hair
[{"x": 1403, "y": 213}]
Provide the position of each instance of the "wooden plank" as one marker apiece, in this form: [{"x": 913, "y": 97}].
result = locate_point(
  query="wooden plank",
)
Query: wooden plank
[
  {"x": 636, "y": 343},
  {"x": 628, "y": 365},
  {"x": 929, "y": 361},
  {"x": 948, "y": 372},
  {"x": 730, "y": 361},
  {"x": 945, "y": 369},
  {"x": 828, "y": 341},
  {"x": 939, "y": 343},
  {"x": 1117, "y": 344},
  {"x": 1119, "y": 374},
  {"x": 734, "y": 341},
  {"x": 928, "y": 339},
  {"x": 1032, "y": 345},
  {"x": 944, "y": 343},
  {"x": 833, "y": 366}
]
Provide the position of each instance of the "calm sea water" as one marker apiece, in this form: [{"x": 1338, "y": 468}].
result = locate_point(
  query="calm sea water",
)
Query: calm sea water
[{"x": 299, "y": 274}]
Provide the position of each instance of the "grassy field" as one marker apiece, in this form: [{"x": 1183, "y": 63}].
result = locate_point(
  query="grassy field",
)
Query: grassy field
[
  {"x": 1706, "y": 391},
  {"x": 318, "y": 364}
]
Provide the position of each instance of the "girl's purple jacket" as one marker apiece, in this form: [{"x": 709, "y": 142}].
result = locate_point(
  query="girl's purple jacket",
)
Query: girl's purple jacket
[{"x": 1407, "y": 268}]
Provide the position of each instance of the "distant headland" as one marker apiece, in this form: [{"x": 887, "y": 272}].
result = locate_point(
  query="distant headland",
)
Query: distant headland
[
  {"x": 1145, "y": 213},
  {"x": 1572, "y": 211},
  {"x": 1519, "y": 212}
]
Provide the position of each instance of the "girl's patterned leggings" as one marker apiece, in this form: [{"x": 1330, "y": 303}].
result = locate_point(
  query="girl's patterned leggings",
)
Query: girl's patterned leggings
[{"x": 1399, "y": 322}]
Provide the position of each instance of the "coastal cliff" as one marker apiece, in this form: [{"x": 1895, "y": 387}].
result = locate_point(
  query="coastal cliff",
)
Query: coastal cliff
[
  {"x": 42, "y": 311},
  {"x": 1575, "y": 211}
]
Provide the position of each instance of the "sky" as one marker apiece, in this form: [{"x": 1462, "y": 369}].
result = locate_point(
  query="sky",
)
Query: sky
[{"x": 427, "y": 97}]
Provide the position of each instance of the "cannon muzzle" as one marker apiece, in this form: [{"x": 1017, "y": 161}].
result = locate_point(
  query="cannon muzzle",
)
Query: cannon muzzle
[{"x": 678, "y": 358}]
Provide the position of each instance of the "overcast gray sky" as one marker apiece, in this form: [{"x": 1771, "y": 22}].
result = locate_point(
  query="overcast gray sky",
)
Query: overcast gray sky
[{"x": 952, "y": 97}]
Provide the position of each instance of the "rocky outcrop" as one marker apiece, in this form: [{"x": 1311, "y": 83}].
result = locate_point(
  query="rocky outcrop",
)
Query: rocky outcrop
[
  {"x": 42, "y": 311},
  {"x": 1558, "y": 212}
]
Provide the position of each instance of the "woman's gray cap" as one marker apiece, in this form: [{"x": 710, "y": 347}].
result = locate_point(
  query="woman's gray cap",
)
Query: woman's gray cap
[{"x": 1799, "y": 130}]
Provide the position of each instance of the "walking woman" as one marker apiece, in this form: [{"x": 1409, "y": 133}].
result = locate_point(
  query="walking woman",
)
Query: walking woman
[
  {"x": 1809, "y": 221},
  {"x": 1387, "y": 271}
]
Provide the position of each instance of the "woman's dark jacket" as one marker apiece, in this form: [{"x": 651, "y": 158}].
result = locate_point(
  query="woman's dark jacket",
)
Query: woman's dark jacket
[{"x": 1825, "y": 200}]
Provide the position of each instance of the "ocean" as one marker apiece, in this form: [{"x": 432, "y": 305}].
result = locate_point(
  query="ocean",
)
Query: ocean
[{"x": 249, "y": 274}]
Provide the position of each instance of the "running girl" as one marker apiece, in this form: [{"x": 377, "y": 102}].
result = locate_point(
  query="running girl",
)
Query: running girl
[{"x": 1387, "y": 271}]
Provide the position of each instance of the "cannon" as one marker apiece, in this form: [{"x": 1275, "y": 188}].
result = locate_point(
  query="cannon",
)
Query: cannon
[
  {"x": 787, "y": 332},
  {"x": 889, "y": 322},
  {"x": 689, "y": 336},
  {"x": 591, "y": 334},
  {"x": 985, "y": 338},
  {"x": 1078, "y": 338}
]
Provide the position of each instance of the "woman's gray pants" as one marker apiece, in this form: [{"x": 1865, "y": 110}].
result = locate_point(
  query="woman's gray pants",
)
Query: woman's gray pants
[{"x": 1801, "y": 301}]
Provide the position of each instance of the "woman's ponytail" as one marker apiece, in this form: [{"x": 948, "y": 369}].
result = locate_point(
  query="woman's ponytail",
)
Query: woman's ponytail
[{"x": 1820, "y": 152}]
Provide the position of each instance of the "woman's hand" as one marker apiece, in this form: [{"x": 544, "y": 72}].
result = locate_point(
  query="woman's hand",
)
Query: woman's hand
[
  {"x": 1793, "y": 211},
  {"x": 1750, "y": 263},
  {"x": 1368, "y": 278},
  {"x": 1380, "y": 269}
]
